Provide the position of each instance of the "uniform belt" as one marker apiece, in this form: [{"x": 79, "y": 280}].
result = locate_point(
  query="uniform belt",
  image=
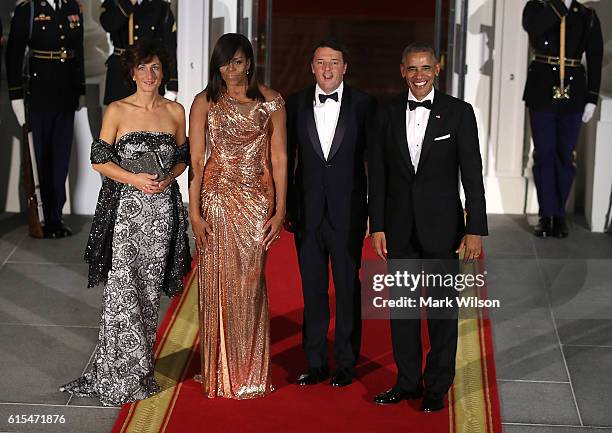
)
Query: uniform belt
[
  {"x": 61, "y": 55},
  {"x": 119, "y": 51},
  {"x": 551, "y": 60}
]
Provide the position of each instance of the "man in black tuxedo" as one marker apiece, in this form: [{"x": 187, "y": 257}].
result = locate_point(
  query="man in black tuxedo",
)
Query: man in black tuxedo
[
  {"x": 427, "y": 138},
  {"x": 327, "y": 208}
]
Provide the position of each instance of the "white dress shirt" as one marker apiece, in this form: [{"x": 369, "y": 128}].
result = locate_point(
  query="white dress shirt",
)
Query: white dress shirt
[
  {"x": 416, "y": 124},
  {"x": 326, "y": 117}
]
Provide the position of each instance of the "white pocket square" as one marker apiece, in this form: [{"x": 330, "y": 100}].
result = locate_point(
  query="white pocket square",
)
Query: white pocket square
[{"x": 443, "y": 137}]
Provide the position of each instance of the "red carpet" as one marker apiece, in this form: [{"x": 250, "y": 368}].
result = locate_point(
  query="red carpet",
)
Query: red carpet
[{"x": 180, "y": 407}]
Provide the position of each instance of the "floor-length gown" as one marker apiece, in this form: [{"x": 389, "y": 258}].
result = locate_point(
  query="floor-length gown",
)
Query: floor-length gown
[
  {"x": 144, "y": 232},
  {"x": 237, "y": 199}
]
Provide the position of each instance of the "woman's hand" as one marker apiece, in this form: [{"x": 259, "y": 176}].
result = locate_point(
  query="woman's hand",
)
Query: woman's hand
[
  {"x": 272, "y": 229},
  {"x": 145, "y": 182},
  {"x": 163, "y": 184},
  {"x": 201, "y": 229}
]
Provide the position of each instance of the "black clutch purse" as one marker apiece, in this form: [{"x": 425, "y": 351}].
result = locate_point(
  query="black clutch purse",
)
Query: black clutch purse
[{"x": 148, "y": 162}]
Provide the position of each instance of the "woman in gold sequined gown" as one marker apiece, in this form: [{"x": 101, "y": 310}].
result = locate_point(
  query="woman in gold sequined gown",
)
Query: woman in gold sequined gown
[{"x": 236, "y": 207}]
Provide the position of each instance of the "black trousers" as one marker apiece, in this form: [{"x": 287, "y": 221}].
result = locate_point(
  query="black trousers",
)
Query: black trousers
[
  {"x": 315, "y": 249},
  {"x": 52, "y": 134},
  {"x": 554, "y": 169},
  {"x": 441, "y": 322}
]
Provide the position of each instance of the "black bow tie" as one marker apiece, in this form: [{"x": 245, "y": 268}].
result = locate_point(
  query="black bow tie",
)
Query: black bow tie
[
  {"x": 324, "y": 98},
  {"x": 414, "y": 104}
]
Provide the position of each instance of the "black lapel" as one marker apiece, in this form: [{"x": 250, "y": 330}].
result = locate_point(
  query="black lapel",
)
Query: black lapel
[
  {"x": 436, "y": 117},
  {"x": 342, "y": 121},
  {"x": 399, "y": 113},
  {"x": 311, "y": 127}
]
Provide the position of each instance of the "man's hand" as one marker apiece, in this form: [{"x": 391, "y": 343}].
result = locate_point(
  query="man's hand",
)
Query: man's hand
[
  {"x": 589, "y": 111},
  {"x": 19, "y": 109},
  {"x": 470, "y": 247},
  {"x": 379, "y": 243}
]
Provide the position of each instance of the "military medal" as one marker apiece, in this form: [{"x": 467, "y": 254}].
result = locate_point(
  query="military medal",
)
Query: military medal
[
  {"x": 74, "y": 21},
  {"x": 563, "y": 91},
  {"x": 42, "y": 17}
]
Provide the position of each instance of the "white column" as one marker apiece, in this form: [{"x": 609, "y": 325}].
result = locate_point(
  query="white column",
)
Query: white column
[
  {"x": 193, "y": 53},
  {"x": 480, "y": 62},
  {"x": 504, "y": 179},
  {"x": 598, "y": 159},
  {"x": 83, "y": 182}
]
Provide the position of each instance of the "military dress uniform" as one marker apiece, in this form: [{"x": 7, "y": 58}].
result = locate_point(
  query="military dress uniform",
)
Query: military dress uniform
[
  {"x": 55, "y": 67},
  {"x": 559, "y": 36},
  {"x": 128, "y": 24}
]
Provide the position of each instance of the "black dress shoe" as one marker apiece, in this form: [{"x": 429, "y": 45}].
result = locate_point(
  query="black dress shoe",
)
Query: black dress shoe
[
  {"x": 560, "y": 229},
  {"x": 313, "y": 376},
  {"x": 65, "y": 231},
  {"x": 432, "y": 404},
  {"x": 394, "y": 396},
  {"x": 55, "y": 232},
  {"x": 544, "y": 227},
  {"x": 51, "y": 233},
  {"x": 342, "y": 377}
]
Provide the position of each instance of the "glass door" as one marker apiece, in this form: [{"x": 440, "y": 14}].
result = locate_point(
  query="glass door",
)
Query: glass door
[{"x": 450, "y": 41}]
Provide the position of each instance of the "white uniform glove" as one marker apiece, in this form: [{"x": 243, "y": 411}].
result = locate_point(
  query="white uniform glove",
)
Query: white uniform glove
[
  {"x": 19, "y": 110},
  {"x": 589, "y": 110},
  {"x": 568, "y": 3},
  {"x": 171, "y": 95}
]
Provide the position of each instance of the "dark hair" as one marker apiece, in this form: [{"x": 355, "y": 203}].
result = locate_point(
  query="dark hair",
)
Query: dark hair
[
  {"x": 334, "y": 45},
  {"x": 418, "y": 47},
  {"x": 225, "y": 49},
  {"x": 139, "y": 54}
]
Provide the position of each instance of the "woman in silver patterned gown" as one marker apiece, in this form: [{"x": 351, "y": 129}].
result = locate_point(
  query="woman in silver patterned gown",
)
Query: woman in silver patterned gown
[{"x": 138, "y": 243}]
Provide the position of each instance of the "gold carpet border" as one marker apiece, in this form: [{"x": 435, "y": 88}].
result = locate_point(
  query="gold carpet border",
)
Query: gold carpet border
[
  {"x": 181, "y": 335},
  {"x": 469, "y": 399},
  {"x": 470, "y": 408}
]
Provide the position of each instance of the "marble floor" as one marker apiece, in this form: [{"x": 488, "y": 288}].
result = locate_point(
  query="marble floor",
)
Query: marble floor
[{"x": 552, "y": 335}]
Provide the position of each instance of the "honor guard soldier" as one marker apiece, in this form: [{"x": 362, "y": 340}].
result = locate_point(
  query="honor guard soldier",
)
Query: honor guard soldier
[
  {"x": 46, "y": 42},
  {"x": 560, "y": 95},
  {"x": 137, "y": 21}
]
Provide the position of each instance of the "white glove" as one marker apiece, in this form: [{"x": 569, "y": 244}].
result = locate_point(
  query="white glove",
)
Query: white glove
[
  {"x": 171, "y": 95},
  {"x": 589, "y": 110},
  {"x": 19, "y": 110},
  {"x": 568, "y": 3},
  {"x": 81, "y": 103}
]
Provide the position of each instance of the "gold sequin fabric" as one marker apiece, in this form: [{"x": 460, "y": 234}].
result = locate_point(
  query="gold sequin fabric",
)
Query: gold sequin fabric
[{"x": 237, "y": 199}]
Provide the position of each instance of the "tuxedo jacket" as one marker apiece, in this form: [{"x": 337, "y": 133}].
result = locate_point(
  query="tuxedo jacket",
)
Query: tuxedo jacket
[
  {"x": 335, "y": 188},
  {"x": 426, "y": 202}
]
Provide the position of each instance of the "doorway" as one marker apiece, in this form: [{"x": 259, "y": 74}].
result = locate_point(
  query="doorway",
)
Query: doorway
[{"x": 375, "y": 34}]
